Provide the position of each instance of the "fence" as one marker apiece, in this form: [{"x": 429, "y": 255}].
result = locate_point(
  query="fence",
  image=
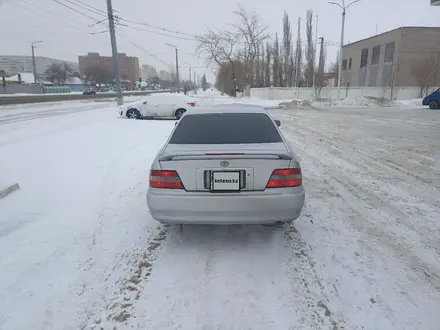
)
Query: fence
[
  {"x": 20, "y": 89},
  {"x": 304, "y": 93},
  {"x": 57, "y": 90}
]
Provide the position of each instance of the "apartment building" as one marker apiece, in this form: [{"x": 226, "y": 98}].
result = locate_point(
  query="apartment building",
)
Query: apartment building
[
  {"x": 13, "y": 64},
  {"x": 148, "y": 72},
  {"x": 389, "y": 59},
  {"x": 128, "y": 65}
]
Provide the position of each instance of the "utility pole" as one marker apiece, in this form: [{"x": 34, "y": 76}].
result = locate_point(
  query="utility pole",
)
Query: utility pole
[
  {"x": 195, "y": 81},
  {"x": 177, "y": 70},
  {"x": 177, "y": 67},
  {"x": 34, "y": 65},
  {"x": 111, "y": 24},
  {"x": 344, "y": 8},
  {"x": 314, "y": 52},
  {"x": 189, "y": 72}
]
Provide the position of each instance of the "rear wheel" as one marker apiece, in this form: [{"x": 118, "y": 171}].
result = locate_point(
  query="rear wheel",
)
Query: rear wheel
[
  {"x": 179, "y": 113},
  {"x": 278, "y": 224},
  {"x": 434, "y": 105},
  {"x": 133, "y": 114}
]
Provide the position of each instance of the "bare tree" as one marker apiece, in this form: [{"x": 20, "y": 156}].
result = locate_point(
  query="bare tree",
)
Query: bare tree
[
  {"x": 287, "y": 43},
  {"x": 262, "y": 67},
  {"x": 204, "y": 83},
  {"x": 58, "y": 73},
  {"x": 223, "y": 80},
  {"x": 319, "y": 78},
  {"x": 276, "y": 63},
  {"x": 298, "y": 55},
  {"x": 281, "y": 76},
  {"x": 221, "y": 48},
  {"x": 253, "y": 33},
  {"x": 310, "y": 50},
  {"x": 268, "y": 63},
  {"x": 257, "y": 70},
  {"x": 426, "y": 72}
]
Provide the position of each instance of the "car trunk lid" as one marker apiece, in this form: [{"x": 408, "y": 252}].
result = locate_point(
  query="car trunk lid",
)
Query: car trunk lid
[{"x": 201, "y": 166}]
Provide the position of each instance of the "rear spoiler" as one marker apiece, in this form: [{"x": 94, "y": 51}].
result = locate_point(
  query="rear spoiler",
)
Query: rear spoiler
[{"x": 220, "y": 155}]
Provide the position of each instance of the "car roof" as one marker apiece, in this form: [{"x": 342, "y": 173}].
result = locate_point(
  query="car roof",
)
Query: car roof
[{"x": 227, "y": 108}]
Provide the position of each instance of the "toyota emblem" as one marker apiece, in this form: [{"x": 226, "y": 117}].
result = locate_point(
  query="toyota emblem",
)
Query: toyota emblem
[{"x": 224, "y": 163}]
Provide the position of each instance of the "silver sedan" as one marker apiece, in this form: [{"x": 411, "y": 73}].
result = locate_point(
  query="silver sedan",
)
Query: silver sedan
[{"x": 226, "y": 165}]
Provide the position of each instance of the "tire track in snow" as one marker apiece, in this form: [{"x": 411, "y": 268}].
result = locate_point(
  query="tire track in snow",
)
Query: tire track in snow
[
  {"x": 121, "y": 308},
  {"x": 233, "y": 277},
  {"x": 10, "y": 119},
  {"x": 359, "y": 197}
]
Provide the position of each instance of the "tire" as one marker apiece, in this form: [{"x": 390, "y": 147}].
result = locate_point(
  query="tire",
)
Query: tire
[
  {"x": 278, "y": 224},
  {"x": 133, "y": 114},
  {"x": 179, "y": 113},
  {"x": 434, "y": 105}
]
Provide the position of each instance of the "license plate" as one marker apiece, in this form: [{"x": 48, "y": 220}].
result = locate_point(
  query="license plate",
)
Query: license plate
[{"x": 225, "y": 181}]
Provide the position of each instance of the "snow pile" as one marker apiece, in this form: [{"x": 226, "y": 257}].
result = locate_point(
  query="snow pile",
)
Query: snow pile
[
  {"x": 360, "y": 101},
  {"x": 296, "y": 104},
  {"x": 354, "y": 101},
  {"x": 414, "y": 103}
]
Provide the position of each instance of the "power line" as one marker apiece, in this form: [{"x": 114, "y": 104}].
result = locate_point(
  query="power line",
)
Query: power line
[
  {"x": 97, "y": 22},
  {"x": 94, "y": 8},
  {"x": 87, "y": 7},
  {"x": 154, "y": 32},
  {"x": 141, "y": 48},
  {"x": 100, "y": 32},
  {"x": 49, "y": 17},
  {"x": 75, "y": 10},
  {"x": 156, "y": 27}
]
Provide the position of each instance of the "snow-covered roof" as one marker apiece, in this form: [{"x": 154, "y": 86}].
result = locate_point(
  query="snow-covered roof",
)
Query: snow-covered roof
[{"x": 74, "y": 81}]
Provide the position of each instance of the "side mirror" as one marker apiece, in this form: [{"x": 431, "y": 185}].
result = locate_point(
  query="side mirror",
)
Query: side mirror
[{"x": 277, "y": 122}]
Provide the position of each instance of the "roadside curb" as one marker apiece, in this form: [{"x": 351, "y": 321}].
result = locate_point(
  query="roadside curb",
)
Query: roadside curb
[{"x": 9, "y": 190}]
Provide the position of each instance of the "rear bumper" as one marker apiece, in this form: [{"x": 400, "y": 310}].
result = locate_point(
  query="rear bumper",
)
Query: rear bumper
[{"x": 175, "y": 207}]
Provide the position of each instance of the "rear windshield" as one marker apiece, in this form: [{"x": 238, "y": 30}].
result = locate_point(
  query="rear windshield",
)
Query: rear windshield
[{"x": 226, "y": 128}]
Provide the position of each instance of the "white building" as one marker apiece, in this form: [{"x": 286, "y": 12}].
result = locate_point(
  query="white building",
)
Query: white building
[
  {"x": 164, "y": 75},
  {"x": 13, "y": 64},
  {"x": 148, "y": 72}
]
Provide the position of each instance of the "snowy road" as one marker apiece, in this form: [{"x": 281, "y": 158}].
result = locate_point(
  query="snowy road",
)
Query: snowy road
[{"x": 79, "y": 249}]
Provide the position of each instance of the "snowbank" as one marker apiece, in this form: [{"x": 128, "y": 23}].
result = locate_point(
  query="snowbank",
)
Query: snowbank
[
  {"x": 360, "y": 101},
  {"x": 414, "y": 103}
]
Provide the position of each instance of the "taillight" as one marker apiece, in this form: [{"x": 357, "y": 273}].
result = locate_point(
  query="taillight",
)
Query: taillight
[
  {"x": 283, "y": 178},
  {"x": 165, "y": 180},
  {"x": 193, "y": 104}
]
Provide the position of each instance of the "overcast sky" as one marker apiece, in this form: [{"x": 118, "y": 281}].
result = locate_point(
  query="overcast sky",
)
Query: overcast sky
[{"x": 66, "y": 33}]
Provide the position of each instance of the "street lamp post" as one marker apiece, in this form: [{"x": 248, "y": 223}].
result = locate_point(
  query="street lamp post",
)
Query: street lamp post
[
  {"x": 189, "y": 66},
  {"x": 344, "y": 8},
  {"x": 177, "y": 66},
  {"x": 34, "y": 66}
]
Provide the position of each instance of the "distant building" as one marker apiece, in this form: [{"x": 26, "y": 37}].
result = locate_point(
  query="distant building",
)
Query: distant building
[
  {"x": 128, "y": 65},
  {"x": 388, "y": 59},
  {"x": 13, "y": 64},
  {"x": 25, "y": 78},
  {"x": 164, "y": 75},
  {"x": 148, "y": 72}
]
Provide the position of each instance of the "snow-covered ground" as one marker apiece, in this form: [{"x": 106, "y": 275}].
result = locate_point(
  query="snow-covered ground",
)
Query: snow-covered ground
[
  {"x": 358, "y": 101},
  {"x": 79, "y": 249}
]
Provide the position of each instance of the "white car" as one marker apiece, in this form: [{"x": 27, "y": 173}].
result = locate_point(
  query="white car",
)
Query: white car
[
  {"x": 227, "y": 164},
  {"x": 158, "y": 106}
]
